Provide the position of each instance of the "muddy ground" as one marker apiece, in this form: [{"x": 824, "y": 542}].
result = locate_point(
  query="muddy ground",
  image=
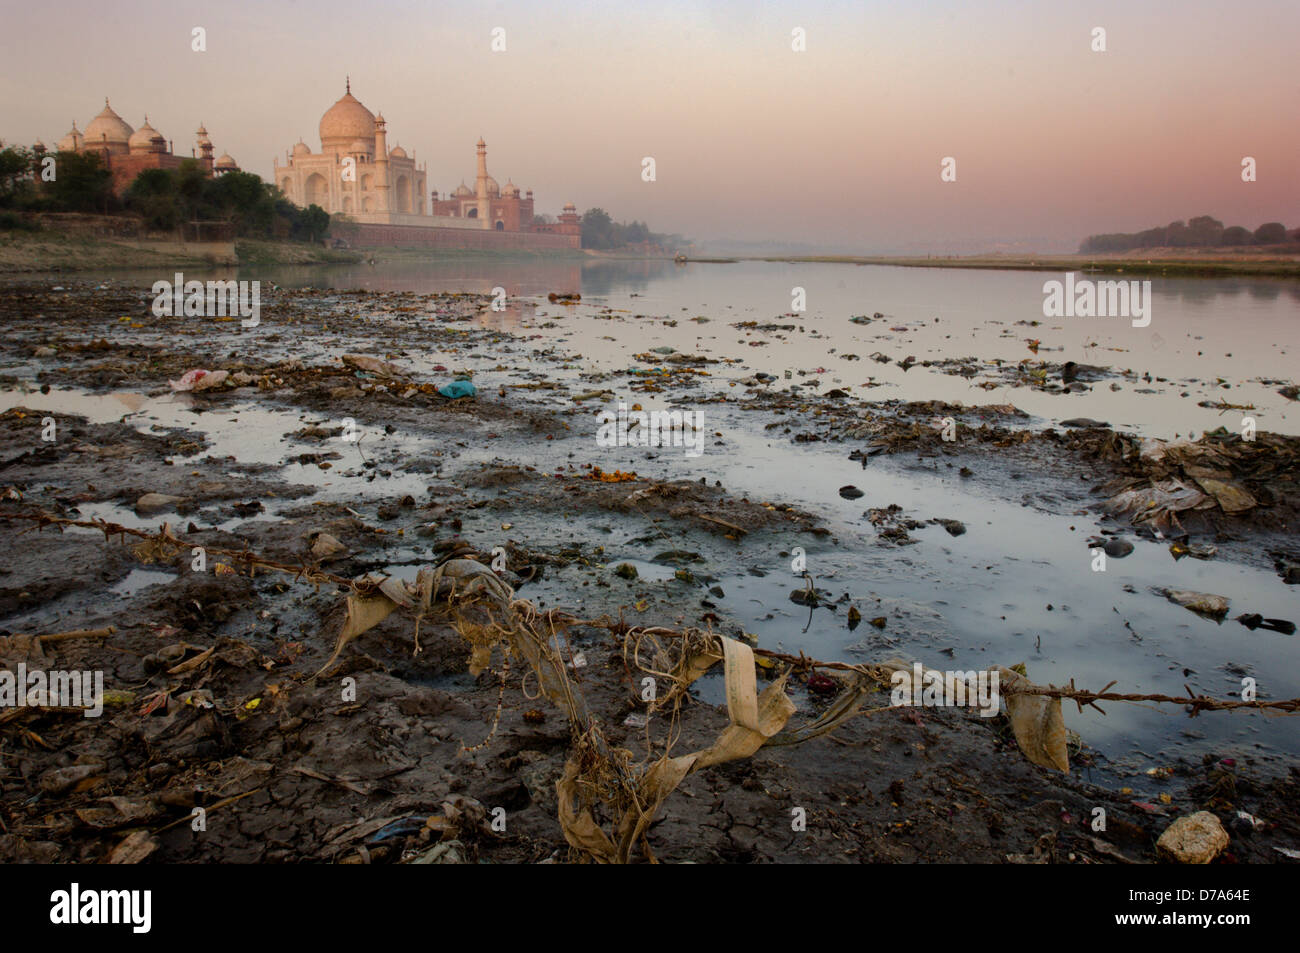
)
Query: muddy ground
[{"x": 294, "y": 764}]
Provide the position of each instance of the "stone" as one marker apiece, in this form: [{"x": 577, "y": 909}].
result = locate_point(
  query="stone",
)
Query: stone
[
  {"x": 325, "y": 548},
  {"x": 1196, "y": 839},
  {"x": 1205, "y": 603},
  {"x": 152, "y": 503},
  {"x": 1118, "y": 548}
]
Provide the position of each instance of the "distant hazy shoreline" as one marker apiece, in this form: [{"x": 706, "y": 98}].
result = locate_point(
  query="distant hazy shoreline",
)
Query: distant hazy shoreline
[{"x": 1206, "y": 266}]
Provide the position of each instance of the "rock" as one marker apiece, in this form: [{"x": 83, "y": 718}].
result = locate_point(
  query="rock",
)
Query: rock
[
  {"x": 1203, "y": 602},
  {"x": 954, "y": 527},
  {"x": 626, "y": 570},
  {"x": 326, "y": 548},
  {"x": 44, "y": 352},
  {"x": 1086, "y": 422},
  {"x": 152, "y": 503},
  {"x": 851, "y": 492},
  {"x": 1253, "y": 621},
  {"x": 372, "y": 365},
  {"x": 1197, "y": 839},
  {"x": 1118, "y": 548},
  {"x": 810, "y": 597}
]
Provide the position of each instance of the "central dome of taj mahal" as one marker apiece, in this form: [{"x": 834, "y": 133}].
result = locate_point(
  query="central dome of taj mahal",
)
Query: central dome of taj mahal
[{"x": 344, "y": 123}]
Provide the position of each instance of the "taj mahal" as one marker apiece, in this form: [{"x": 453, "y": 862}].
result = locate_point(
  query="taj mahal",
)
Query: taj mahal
[{"x": 357, "y": 174}]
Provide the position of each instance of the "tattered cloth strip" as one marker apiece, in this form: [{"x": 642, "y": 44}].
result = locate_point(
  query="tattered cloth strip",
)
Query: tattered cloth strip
[
  {"x": 1037, "y": 722},
  {"x": 754, "y": 719}
]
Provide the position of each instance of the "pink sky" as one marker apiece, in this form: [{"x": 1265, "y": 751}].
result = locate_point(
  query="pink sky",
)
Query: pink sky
[{"x": 838, "y": 146}]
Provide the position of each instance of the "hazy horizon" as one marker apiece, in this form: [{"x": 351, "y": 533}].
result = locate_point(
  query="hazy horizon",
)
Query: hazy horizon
[{"x": 836, "y": 147}]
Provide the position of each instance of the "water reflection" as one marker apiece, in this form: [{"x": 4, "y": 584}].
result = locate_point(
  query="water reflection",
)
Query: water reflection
[{"x": 518, "y": 276}]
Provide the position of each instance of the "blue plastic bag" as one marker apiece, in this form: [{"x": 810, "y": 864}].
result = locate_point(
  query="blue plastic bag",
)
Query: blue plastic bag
[{"x": 458, "y": 389}]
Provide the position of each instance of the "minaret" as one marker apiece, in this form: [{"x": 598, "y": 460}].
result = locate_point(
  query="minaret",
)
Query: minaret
[
  {"x": 484, "y": 204},
  {"x": 205, "y": 148},
  {"x": 381, "y": 160}
]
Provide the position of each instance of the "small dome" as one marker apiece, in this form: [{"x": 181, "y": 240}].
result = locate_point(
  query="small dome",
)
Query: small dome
[
  {"x": 511, "y": 190},
  {"x": 108, "y": 127},
  {"x": 463, "y": 191},
  {"x": 569, "y": 207},
  {"x": 72, "y": 142},
  {"x": 397, "y": 152},
  {"x": 345, "y": 121},
  {"x": 142, "y": 140},
  {"x": 301, "y": 148},
  {"x": 492, "y": 187},
  {"x": 226, "y": 162}
]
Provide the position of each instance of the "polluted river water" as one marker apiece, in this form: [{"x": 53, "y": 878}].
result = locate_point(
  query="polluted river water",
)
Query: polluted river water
[{"x": 1016, "y": 585}]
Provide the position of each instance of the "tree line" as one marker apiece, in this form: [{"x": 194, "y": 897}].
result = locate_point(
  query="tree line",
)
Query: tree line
[
  {"x": 163, "y": 199},
  {"x": 1203, "y": 231},
  {"x": 602, "y": 232}
]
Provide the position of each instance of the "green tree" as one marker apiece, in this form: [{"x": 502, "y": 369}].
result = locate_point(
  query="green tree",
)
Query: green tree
[
  {"x": 15, "y": 174},
  {"x": 153, "y": 196},
  {"x": 1236, "y": 235},
  {"x": 81, "y": 184},
  {"x": 1270, "y": 233},
  {"x": 1204, "y": 231},
  {"x": 597, "y": 229},
  {"x": 314, "y": 224},
  {"x": 1176, "y": 234}
]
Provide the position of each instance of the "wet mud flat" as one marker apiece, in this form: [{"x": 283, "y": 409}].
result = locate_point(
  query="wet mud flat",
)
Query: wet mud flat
[{"x": 216, "y": 695}]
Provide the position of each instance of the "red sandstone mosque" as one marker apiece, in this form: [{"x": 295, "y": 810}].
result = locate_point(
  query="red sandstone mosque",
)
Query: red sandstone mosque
[
  {"x": 356, "y": 174},
  {"x": 127, "y": 152}
]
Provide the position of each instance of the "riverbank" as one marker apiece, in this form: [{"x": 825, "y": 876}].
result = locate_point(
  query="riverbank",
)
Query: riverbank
[
  {"x": 1160, "y": 262},
  {"x": 227, "y": 698},
  {"x": 49, "y": 251},
  {"x": 390, "y": 253},
  {"x": 52, "y": 252}
]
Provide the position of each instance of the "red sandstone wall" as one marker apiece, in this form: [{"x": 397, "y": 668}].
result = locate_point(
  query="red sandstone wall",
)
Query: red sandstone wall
[{"x": 413, "y": 236}]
